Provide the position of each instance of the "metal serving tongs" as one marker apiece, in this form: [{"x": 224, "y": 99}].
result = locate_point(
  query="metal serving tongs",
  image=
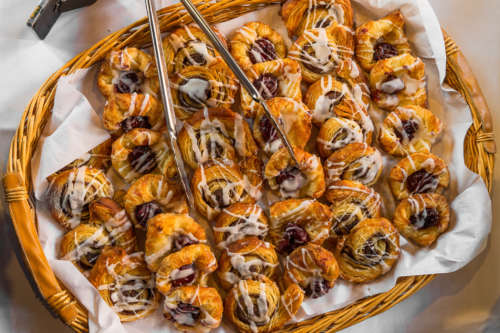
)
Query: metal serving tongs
[
  {"x": 235, "y": 68},
  {"x": 166, "y": 97}
]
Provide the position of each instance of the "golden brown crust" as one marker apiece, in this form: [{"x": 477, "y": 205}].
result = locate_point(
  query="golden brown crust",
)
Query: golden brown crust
[
  {"x": 321, "y": 52},
  {"x": 328, "y": 97},
  {"x": 72, "y": 190},
  {"x": 294, "y": 118},
  {"x": 275, "y": 78},
  {"x": 189, "y": 46},
  {"x": 368, "y": 251},
  {"x": 352, "y": 202},
  {"x": 127, "y": 70},
  {"x": 124, "y": 112},
  {"x": 313, "y": 268},
  {"x": 168, "y": 233},
  {"x": 409, "y": 129},
  {"x": 194, "y": 308},
  {"x": 188, "y": 266},
  {"x": 421, "y": 218},
  {"x": 83, "y": 245},
  {"x": 256, "y": 42},
  {"x": 215, "y": 134},
  {"x": 356, "y": 161},
  {"x": 107, "y": 213},
  {"x": 310, "y": 216},
  {"x": 300, "y": 15},
  {"x": 153, "y": 194},
  {"x": 257, "y": 305},
  {"x": 399, "y": 80},
  {"x": 418, "y": 173},
  {"x": 142, "y": 151},
  {"x": 238, "y": 221},
  {"x": 285, "y": 178},
  {"x": 245, "y": 258},
  {"x": 216, "y": 186},
  {"x": 197, "y": 88},
  {"x": 371, "y": 35},
  {"x": 124, "y": 283},
  {"x": 336, "y": 133}
]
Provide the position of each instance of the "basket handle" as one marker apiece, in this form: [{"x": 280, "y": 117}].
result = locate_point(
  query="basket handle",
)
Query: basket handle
[
  {"x": 471, "y": 92},
  {"x": 23, "y": 220}
]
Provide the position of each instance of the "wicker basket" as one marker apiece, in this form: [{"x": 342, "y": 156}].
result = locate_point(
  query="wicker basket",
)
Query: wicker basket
[{"x": 479, "y": 157}]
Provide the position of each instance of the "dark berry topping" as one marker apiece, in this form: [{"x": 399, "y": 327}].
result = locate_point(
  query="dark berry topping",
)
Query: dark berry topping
[
  {"x": 268, "y": 86},
  {"x": 428, "y": 217},
  {"x": 186, "y": 314},
  {"x": 188, "y": 279},
  {"x": 383, "y": 51},
  {"x": 132, "y": 122},
  {"x": 267, "y": 130},
  {"x": 128, "y": 82},
  {"x": 408, "y": 130},
  {"x": 262, "y": 50},
  {"x": 421, "y": 182},
  {"x": 293, "y": 237},
  {"x": 392, "y": 85},
  {"x": 317, "y": 287},
  {"x": 142, "y": 159},
  {"x": 182, "y": 240},
  {"x": 146, "y": 211},
  {"x": 195, "y": 59}
]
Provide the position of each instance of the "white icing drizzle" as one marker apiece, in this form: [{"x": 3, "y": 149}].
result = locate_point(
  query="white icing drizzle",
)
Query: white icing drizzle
[{"x": 245, "y": 303}]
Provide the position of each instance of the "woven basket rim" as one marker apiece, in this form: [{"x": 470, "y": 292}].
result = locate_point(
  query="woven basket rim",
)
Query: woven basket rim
[{"x": 479, "y": 156}]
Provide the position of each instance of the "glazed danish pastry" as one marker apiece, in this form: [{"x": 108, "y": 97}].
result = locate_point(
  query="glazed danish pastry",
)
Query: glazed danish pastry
[
  {"x": 356, "y": 161},
  {"x": 238, "y": 221},
  {"x": 189, "y": 46},
  {"x": 169, "y": 233},
  {"x": 111, "y": 216},
  {"x": 291, "y": 181},
  {"x": 215, "y": 134},
  {"x": 368, "y": 251},
  {"x": 124, "y": 112},
  {"x": 336, "y": 133},
  {"x": 275, "y": 78},
  {"x": 124, "y": 283},
  {"x": 418, "y": 173},
  {"x": 328, "y": 98},
  {"x": 352, "y": 202},
  {"x": 421, "y": 218},
  {"x": 399, "y": 80},
  {"x": 194, "y": 308},
  {"x": 98, "y": 157},
  {"x": 216, "y": 186},
  {"x": 127, "y": 71},
  {"x": 313, "y": 268},
  {"x": 256, "y": 305},
  {"x": 301, "y": 15},
  {"x": 246, "y": 258},
  {"x": 196, "y": 88},
  {"x": 409, "y": 129},
  {"x": 294, "y": 118},
  {"x": 142, "y": 151},
  {"x": 256, "y": 42},
  {"x": 151, "y": 195},
  {"x": 381, "y": 39},
  {"x": 71, "y": 191},
  {"x": 320, "y": 52},
  {"x": 83, "y": 245},
  {"x": 188, "y": 266},
  {"x": 296, "y": 222}
]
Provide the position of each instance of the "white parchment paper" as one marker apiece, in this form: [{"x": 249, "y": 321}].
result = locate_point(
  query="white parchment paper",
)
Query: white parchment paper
[{"x": 75, "y": 128}]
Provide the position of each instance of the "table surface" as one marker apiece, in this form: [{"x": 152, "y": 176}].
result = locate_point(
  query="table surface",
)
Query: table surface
[{"x": 465, "y": 301}]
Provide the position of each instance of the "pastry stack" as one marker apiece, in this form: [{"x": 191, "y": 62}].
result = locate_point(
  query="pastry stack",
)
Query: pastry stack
[{"x": 279, "y": 232}]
